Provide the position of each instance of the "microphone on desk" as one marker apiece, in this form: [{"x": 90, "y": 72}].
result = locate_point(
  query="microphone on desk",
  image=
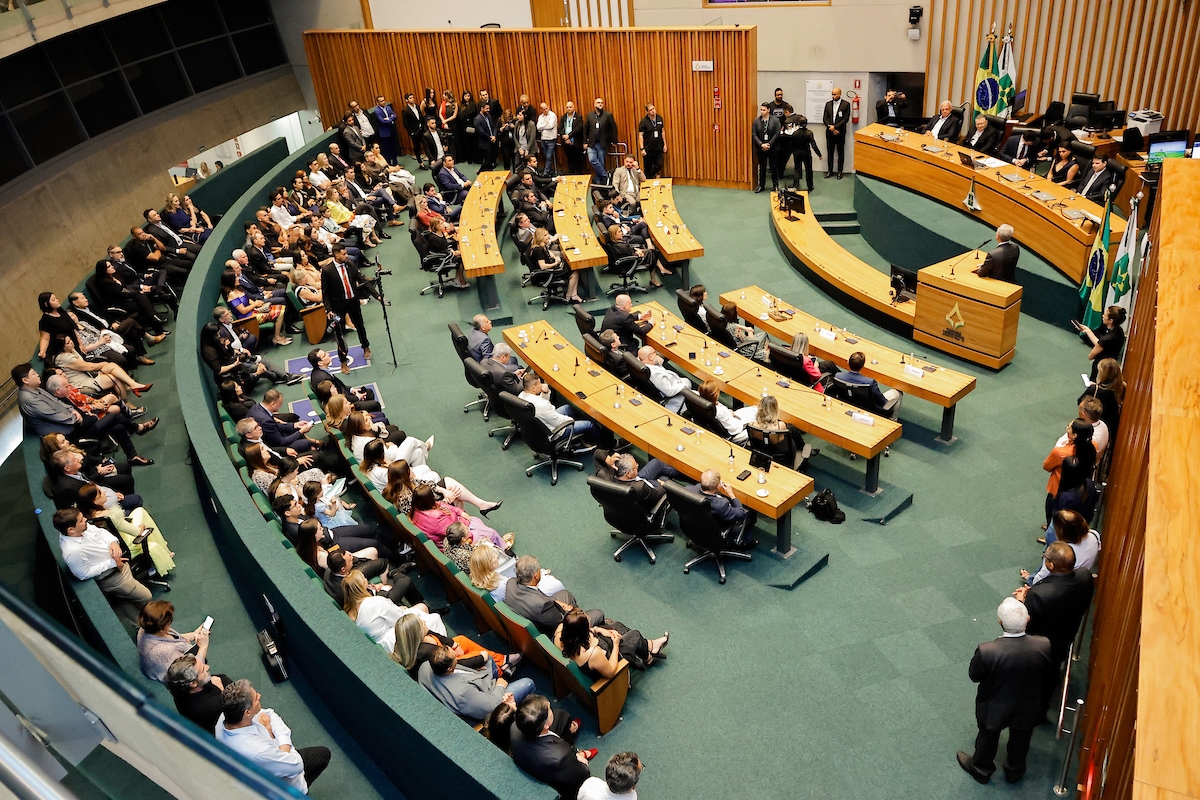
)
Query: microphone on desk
[
  {"x": 601, "y": 389},
  {"x": 652, "y": 419},
  {"x": 747, "y": 372},
  {"x": 486, "y": 248},
  {"x": 538, "y": 338},
  {"x": 573, "y": 374}
]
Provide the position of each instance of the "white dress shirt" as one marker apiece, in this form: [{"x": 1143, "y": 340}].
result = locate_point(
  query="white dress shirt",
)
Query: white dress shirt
[
  {"x": 281, "y": 217},
  {"x": 596, "y": 789},
  {"x": 255, "y": 744},
  {"x": 666, "y": 381},
  {"x": 546, "y": 413},
  {"x": 88, "y": 556},
  {"x": 377, "y": 617},
  {"x": 937, "y": 126},
  {"x": 547, "y": 125},
  {"x": 364, "y": 124}
]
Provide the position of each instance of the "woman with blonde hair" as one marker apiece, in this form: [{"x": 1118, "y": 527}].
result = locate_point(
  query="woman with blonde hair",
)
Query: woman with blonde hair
[
  {"x": 377, "y": 616},
  {"x": 337, "y": 410},
  {"x": 765, "y": 417},
  {"x": 812, "y": 369},
  {"x": 491, "y": 569},
  {"x": 180, "y": 221},
  {"x": 346, "y": 219},
  {"x": 415, "y": 643},
  {"x": 1109, "y": 389},
  {"x": 306, "y": 279}
]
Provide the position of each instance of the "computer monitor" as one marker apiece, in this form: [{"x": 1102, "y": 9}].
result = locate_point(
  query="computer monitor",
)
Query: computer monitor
[
  {"x": 1019, "y": 100},
  {"x": 904, "y": 281},
  {"x": 1169, "y": 136},
  {"x": 1171, "y": 148},
  {"x": 1107, "y": 120},
  {"x": 1196, "y": 150}
]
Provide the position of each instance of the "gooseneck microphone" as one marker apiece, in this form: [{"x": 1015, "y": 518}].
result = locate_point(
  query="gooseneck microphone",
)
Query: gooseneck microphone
[
  {"x": 652, "y": 419},
  {"x": 601, "y": 389}
]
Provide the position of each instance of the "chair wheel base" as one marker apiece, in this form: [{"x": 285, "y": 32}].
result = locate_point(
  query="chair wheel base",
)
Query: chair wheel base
[
  {"x": 721, "y": 581},
  {"x": 618, "y": 559},
  {"x": 687, "y": 570}
]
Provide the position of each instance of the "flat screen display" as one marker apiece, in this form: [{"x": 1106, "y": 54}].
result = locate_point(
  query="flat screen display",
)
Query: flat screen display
[{"x": 1170, "y": 149}]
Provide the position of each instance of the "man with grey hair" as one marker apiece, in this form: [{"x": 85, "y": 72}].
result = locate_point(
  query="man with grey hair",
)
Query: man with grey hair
[
  {"x": 944, "y": 125},
  {"x": 1010, "y": 672},
  {"x": 506, "y": 375},
  {"x": 1001, "y": 263},
  {"x": 479, "y": 340},
  {"x": 620, "y": 779},
  {"x": 259, "y": 735},
  {"x": 522, "y": 595},
  {"x": 645, "y": 482},
  {"x": 669, "y": 383},
  {"x": 736, "y": 520},
  {"x": 197, "y": 692}
]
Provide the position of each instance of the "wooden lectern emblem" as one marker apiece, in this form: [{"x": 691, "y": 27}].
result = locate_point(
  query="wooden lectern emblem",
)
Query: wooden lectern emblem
[{"x": 955, "y": 321}]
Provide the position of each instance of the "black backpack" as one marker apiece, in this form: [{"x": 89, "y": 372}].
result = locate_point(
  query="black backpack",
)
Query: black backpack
[{"x": 825, "y": 508}]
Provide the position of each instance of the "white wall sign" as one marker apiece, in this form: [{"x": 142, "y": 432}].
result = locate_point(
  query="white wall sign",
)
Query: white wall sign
[{"x": 702, "y": 66}]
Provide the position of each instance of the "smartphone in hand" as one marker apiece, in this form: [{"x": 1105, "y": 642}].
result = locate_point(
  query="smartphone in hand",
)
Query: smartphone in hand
[{"x": 208, "y": 621}]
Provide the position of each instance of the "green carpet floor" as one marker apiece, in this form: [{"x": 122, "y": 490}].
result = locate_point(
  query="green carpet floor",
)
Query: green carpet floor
[{"x": 854, "y": 684}]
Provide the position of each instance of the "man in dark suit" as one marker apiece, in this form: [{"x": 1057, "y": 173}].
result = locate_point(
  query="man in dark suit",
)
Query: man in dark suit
[
  {"x": 363, "y": 397},
  {"x": 251, "y": 433},
  {"x": 501, "y": 365},
  {"x": 1001, "y": 263},
  {"x": 984, "y": 138},
  {"x": 435, "y": 146},
  {"x": 67, "y": 477},
  {"x": 570, "y": 135},
  {"x": 736, "y": 520},
  {"x": 887, "y": 403},
  {"x": 485, "y": 137},
  {"x": 339, "y": 291},
  {"x": 945, "y": 124},
  {"x": 1022, "y": 150},
  {"x": 383, "y": 119},
  {"x": 1056, "y": 607},
  {"x": 544, "y": 754},
  {"x": 764, "y": 135},
  {"x": 600, "y": 134},
  {"x": 396, "y": 587},
  {"x": 1010, "y": 671},
  {"x": 836, "y": 118},
  {"x": 451, "y": 179},
  {"x": 628, "y": 326},
  {"x": 184, "y": 249},
  {"x": 1096, "y": 180},
  {"x": 410, "y": 117},
  {"x": 546, "y": 613},
  {"x": 337, "y": 163},
  {"x": 614, "y": 359},
  {"x": 888, "y": 109},
  {"x": 280, "y": 435},
  {"x": 351, "y": 539},
  {"x": 645, "y": 482}
]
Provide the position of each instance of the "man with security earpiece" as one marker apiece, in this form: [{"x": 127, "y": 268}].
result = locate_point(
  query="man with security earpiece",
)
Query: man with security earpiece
[{"x": 799, "y": 143}]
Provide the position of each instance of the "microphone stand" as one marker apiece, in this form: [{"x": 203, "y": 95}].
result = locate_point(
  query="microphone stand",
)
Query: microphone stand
[
  {"x": 377, "y": 282},
  {"x": 652, "y": 419},
  {"x": 601, "y": 389}
]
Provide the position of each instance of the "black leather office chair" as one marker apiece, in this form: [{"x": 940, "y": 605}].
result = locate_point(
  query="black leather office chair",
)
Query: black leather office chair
[
  {"x": 639, "y": 378},
  {"x": 999, "y": 123},
  {"x": 857, "y": 395},
  {"x": 1080, "y": 109},
  {"x": 689, "y": 309},
  {"x": 584, "y": 321},
  {"x": 1132, "y": 141},
  {"x": 552, "y": 283},
  {"x": 484, "y": 379},
  {"x": 624, "y": 267},
  {"x": 459, "y": 340},
  {"x": 778, "y": 445},
  {"x": 438, "y": 264},
  {"x": 1054, "y": 113},
  {"x": 702, "y": 530},
  {"x": 628, "y": 517},
  {"x": 1118, "y": 171},
  {"x": 551, "y": 445},
  {"x": 718, "y": 329},
  {"x": 703, "y": 412},
  {"x": 593, "y": 350},
  {"x": 789, "y": 364},
  {"x": 1083, "y": 152}
]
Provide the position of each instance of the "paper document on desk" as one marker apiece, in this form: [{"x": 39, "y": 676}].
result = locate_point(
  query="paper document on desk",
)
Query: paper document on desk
[{"x": 993, "y": 163}]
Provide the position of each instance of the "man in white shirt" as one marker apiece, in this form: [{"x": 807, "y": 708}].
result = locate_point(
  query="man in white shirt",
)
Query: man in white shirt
[
  {"x": 626, "y": 181},
  {"x": 547, "y": 128},
  {"x": 364, "y": 123},
  {"x": 538, "y": 394},
  {"x": 317, "y": 178},
  {"x": 669, "y": 383},
  {"x": 945, "y": 125},
  {"x": 259, "y": 735},
  {"x": 279, "y": 212},
  {"x": 619, "y": 782},
  {"x": 91, "y": 552},
  {"x": 1090, "y": 410}
]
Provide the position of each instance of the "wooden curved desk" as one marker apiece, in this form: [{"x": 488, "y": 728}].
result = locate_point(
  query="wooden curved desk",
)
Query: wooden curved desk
[
  {"x": 745, "y": 381},
  {"x": 674, "y": 242},
  {"x": 477, "y": 235},
  {"x": 645, "y": 425},
  {"x": 573, "y": 224},
  {"x": 1039, "y": 225},
  {"x": 955, "y": 310},
  {"x": 939, "y": 385}
]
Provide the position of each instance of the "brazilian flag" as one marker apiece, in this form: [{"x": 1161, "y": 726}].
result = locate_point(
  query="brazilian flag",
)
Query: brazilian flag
[
  {"x": 987, "y": 78},
  {"x": 1093, "y": 286}
]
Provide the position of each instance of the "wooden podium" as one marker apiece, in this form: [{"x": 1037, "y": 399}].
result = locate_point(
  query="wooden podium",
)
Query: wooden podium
[{"x": 965, "y": 315}]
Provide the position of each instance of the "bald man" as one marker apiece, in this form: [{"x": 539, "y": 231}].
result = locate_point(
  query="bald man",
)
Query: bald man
[{"x": 836, "y": 118}]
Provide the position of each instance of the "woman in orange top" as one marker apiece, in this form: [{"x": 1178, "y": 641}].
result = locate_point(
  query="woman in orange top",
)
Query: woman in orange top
[{"x": 1079, "y": 444}]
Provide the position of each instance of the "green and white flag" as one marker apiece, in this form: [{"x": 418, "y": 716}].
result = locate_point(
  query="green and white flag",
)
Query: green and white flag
[
  {"x": 1120, "y": 287},
  {"x": 969, "y": 201},
  {"x": 1008, "y": 77}
]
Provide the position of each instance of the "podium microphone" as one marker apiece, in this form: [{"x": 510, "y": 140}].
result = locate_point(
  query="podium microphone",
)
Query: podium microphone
[
  {"x": 981, "y": 244},
  {"x": 652, "y": 419}
]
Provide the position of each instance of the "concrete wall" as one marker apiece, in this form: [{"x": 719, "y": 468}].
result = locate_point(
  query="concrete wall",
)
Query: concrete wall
[
  {"x": 458, "y": 14},
  {"x": 61, "y": 217},
  {"x": 294, "y": 17}
]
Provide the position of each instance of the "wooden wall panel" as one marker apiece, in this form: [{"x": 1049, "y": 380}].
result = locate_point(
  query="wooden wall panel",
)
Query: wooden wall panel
[
  {"x": 1135, "y": 53},
  {"x": 628, "y": 68}
]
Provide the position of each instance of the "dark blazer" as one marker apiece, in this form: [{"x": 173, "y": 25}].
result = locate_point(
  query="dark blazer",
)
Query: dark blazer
[
  {"x": 485, "y": 129},
  {"x": 333, "y": 292},
  {"x": 369, "y": 569},
  {"x": 726, "y": 511},
  {"x": 413, "y": 123},
  {"x": 987, "y": 141},
  {"x": 840, "y": 119},
  {"x": 169, "y": 239},
  {"x": 770, "y": 128},
  {"x": 277, "y": 435},
  {"x": 881, "y": 109},
  {"x": 503, "y": 378},
  {"x": 337, "y": 165},
  {"x": 259, "y": 264},
  {"x": 647, "y": 494},
  {"x": 1103, "y": 180},
  {"x": 1001, "y": 263},
  {"x": 949, "y": 130},
  {"x": 1013, "y": 143},
  {"x": 1010, "y": 672},
  {"x": 318, "y": 375},
  {"x": 626, "y": 327},
  {"x": 64, "y": 488},
  {"x": 600, "y": 131},
  {"x": 551, "y": 760},
  {"x": 431, "y": 148},
  {"x": 577, "y": 126},
  {"x": 447, "y": 185},
  {"x": 1056, "y": 605},
  {"x": 479, "y": 345},
  {"x": 528, "y": 601},
  {"x": 383, "y": 119}
]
